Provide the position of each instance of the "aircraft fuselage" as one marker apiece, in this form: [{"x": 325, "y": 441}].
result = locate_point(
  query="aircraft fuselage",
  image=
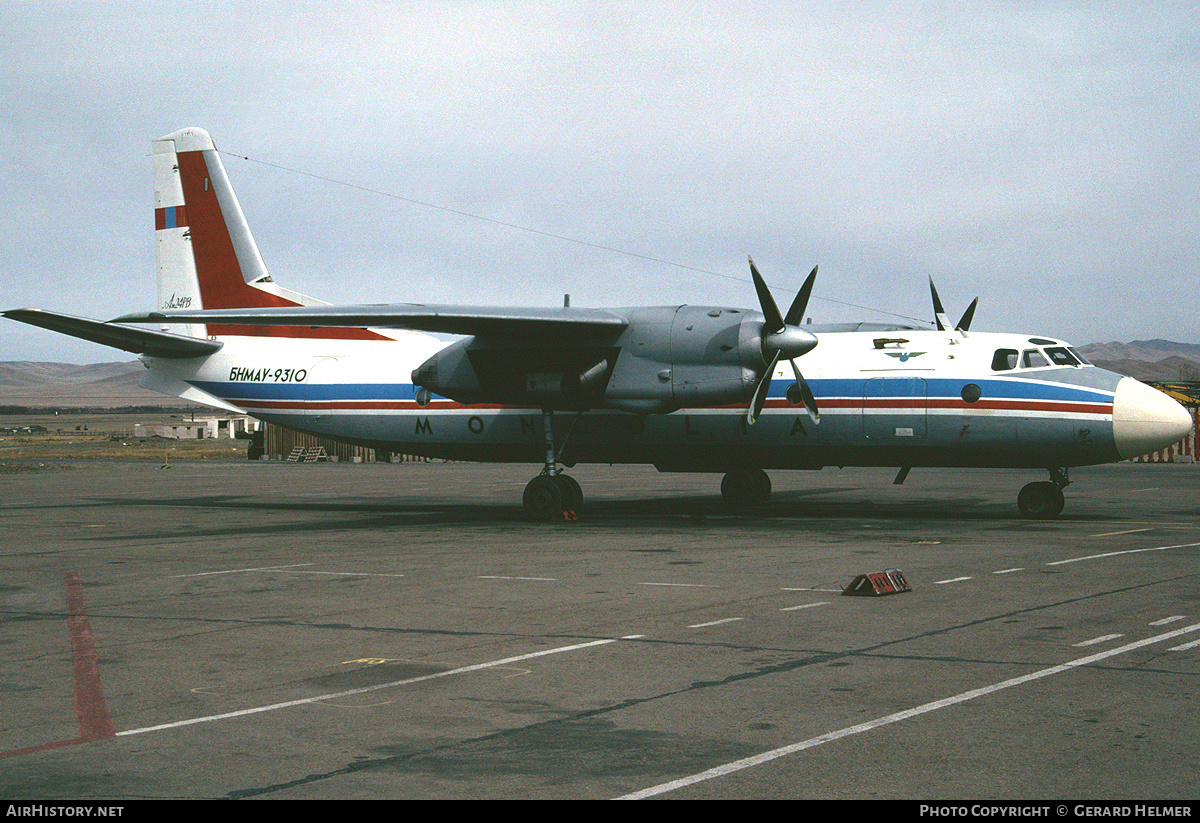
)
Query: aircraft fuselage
[{"x": 889, "y": 397}]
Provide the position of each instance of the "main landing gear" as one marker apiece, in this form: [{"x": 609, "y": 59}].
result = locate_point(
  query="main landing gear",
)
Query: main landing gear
[
  {"x": 746, "y": 487},
  {"x": 1044, "y": 500},
  {"x": 552, "y": 495}
]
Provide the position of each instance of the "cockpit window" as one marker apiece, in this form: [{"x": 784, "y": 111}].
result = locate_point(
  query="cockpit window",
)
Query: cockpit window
[
  {"x": 1033, "y": 359},
  {"x": 1060, "y": 356},
  {"x": 1004, "y": 359},
  {"x": 1008, "y": 359}
]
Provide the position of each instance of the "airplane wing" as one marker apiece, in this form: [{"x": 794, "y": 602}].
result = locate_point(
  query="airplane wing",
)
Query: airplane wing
[
  {"x": 138, "y": 341},
  {"x": 521, "y": 323}
]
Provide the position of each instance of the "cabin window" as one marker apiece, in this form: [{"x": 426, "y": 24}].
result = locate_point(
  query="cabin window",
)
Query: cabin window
[
  {"x": 1082, "y": 360},
  {"x": 1059, "y": 356},
  {"x": 1004, "y": 359},
  {"x": 1033, "y": 359}
]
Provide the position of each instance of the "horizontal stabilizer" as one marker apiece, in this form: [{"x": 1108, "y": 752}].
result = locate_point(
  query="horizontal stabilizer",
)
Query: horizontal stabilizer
[
  {"x": 469, "y": 320},
  {"x": 138, "y": 341},
  {"x": 158, "y": 381}
]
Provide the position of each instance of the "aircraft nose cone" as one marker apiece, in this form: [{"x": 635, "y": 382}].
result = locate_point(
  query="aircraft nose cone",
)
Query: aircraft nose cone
[{"x": 1145, "y": 419}]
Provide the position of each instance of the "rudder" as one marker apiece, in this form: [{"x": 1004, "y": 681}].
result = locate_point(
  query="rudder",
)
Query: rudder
[{"x": 206, "y": 255}]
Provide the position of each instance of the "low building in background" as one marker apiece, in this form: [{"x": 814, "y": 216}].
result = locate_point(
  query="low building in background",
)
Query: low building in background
[{"x": 200, "y": 428}]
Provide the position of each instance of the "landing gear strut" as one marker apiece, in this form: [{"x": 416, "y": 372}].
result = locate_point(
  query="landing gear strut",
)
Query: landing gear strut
[
  {"x": 1044, "y": 500},
  {"x": 552, "y": 494}
]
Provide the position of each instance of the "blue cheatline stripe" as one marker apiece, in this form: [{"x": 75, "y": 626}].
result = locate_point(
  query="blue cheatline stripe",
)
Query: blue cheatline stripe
[
  {"x": 854, "y": 388},
  {"x": 304, "y": 391},
  {"x": 950, "y": 387}
]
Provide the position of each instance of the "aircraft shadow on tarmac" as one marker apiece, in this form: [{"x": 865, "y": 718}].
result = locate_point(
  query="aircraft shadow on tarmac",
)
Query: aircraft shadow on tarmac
[{"x": 841, "y": 506}]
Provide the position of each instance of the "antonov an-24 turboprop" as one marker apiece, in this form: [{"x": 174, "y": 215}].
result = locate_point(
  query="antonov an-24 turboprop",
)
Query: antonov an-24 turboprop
[{"x": 685, "y": 388}]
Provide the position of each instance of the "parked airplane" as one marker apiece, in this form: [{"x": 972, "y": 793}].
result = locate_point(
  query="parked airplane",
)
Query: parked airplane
[{"x": 685, "y": 388}]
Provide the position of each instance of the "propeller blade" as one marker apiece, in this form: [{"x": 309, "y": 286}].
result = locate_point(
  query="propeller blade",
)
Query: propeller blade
[
  {"x": 939, "y": 311},
  {"x": 760, "y": 392},
  {"x": 968, "y": 315},
  {"x": 782, "y": 337},
  {"x": 796, "y": 312},
  {"x": 810, "y": 402},
  {"x": 774, "y": 322}
]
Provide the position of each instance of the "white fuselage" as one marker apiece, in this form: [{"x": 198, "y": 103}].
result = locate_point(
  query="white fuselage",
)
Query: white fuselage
[{"x": 899, "y": 397}]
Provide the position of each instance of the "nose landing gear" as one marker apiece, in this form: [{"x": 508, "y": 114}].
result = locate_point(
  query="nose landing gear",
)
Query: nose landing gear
[{"x": 1044, "y": 500}]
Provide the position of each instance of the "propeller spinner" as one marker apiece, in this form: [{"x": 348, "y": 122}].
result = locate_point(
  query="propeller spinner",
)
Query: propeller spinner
[{"x": 783, "y": 338}]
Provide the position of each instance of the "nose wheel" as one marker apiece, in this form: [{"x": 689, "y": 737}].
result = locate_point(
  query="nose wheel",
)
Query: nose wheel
[{"x": 1044, "y": 500}]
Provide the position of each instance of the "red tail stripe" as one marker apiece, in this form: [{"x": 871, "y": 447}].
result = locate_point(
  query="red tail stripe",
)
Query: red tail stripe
[{"x": 222, "y": 285}]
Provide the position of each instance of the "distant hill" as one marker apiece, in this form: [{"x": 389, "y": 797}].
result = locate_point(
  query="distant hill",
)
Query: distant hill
[
  {"x": 1148, "y": 360},
  {"x": 1147, "y": 350},
  {"x": 25, "y": 373},
  {"x": 67, "y": 385}
]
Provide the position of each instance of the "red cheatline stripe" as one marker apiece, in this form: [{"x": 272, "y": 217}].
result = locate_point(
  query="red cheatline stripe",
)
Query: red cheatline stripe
[
  {"x": 943, "y": 403},
  {"x": 1015, "y": 405},
  {"x": 333, "y": 405}
]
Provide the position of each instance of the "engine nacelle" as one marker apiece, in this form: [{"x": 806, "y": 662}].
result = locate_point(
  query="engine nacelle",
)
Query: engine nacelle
[
  {"x": 478, "y": 370},
  {"x": 686, "y": 356},
  {"x": 665, "y": 359}
]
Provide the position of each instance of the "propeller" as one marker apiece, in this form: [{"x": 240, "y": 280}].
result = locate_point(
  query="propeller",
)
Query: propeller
[
  {"x": 783, "y": 338},
  {"x": 939, "y": 313}
]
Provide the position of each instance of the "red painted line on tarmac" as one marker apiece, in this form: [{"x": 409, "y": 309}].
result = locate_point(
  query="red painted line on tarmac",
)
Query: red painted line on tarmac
[
  {"x": 94, "y": 722},
  {"x": 44, "y": 747}
]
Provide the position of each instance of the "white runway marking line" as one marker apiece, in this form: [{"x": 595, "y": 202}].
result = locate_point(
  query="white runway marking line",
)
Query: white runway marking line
[
  {"x": 502, "y": 577},
  {"x": 1185, "y": 646},
  {"x": 683, "y": 585},
  {"x": 951, "y": 580},
  {"x": 240, "y": 571},
  {"x": 1172, "y": 619},
  {"x": 1114, "y": 554},
  {"x": 1009, "y": 571},
  {"x": 1104, "y": 638},
  {"x": 805, "y": 606},
  {"x": 303, "y": 701},
  {"x": 290, "y": 569},
  {"x": 829, "y": 737},
  {"x": 716, "y": 622},
  {"x": 345, "y": 574}
]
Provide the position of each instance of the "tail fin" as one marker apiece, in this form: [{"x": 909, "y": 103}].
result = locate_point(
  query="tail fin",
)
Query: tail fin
[{"x": 207, "y": 258}]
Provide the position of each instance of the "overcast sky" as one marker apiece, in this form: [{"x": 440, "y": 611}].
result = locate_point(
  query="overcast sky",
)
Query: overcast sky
[{"x": 1045, "y": 156}]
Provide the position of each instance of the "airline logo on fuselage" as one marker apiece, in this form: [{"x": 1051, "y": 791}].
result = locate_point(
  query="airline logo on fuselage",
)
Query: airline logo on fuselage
[{"x": 904, "y": 356}]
